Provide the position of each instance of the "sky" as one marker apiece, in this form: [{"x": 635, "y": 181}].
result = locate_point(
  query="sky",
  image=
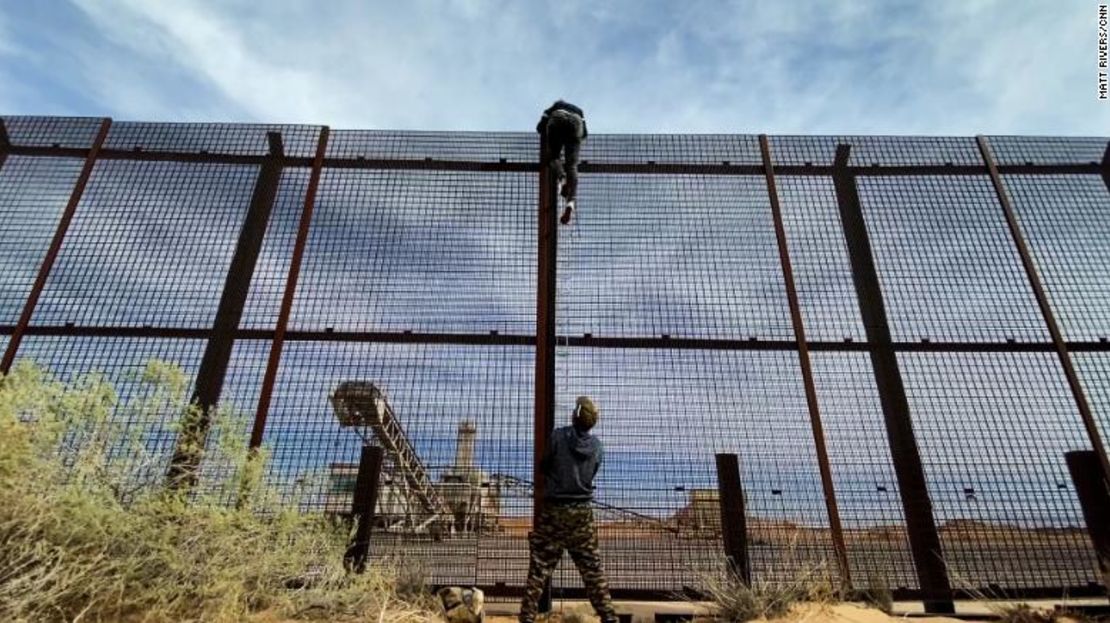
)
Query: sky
[
  {"x": 930, "y": 68},
  {"x": 959, "y": 67}
]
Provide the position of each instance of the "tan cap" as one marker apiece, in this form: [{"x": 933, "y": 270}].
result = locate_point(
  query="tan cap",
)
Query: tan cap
[{"x": 585, "y": 412}]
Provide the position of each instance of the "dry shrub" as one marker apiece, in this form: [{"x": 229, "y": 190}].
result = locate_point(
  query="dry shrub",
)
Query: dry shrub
[
  {"x": 88, "y": 532},
  {"x": 733, "y": 601}
]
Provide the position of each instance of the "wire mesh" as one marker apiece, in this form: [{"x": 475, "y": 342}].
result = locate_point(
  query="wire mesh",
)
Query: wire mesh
[
  {"x": 394, "y": 255},
  {"x": 946, "y": 262},
  {"x": 122, "y": 362},
  {"x": 1094, "y": 373},
  {"x": 33, "y": 195},
  {"x": 267, "y": 289},
  {"x": 876, "y": 150},
  {"x": 432, "y": 391},
  {"x": 1063, "y": 219},
  {"x": 664, "y": 415},
  {"x": 212, "y": 138},
  {"x": 819, "y": 258},
  {"x": 1047, "y": 149},
  {"x": 866, "y": 487},
  {"x": 422, "y": 251},
  {"x": 161, "y": 236},
  {"x": 690, "y": 256},
  {"x": 993, "y": 430},
  {"x": 67, "y": 132}
]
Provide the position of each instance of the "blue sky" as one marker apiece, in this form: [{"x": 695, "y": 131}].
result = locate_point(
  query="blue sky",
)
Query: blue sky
[{"x": 941, "y": 67}]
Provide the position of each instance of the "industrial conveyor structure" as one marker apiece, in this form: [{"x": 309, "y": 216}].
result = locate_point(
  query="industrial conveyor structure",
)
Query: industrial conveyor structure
[{"x": 362, "y": 404}]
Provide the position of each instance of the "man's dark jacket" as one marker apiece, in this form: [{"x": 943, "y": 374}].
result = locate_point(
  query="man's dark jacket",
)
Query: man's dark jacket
[{"x": 570, "y": 465}]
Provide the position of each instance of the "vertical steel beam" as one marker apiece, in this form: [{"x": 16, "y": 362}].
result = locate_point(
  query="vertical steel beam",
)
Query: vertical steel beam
[
  {"x": 546, "y": 274},
  {"x": 831, "y": 507},
  {"x": 734, "y": 521},
  {"x": 1094, "y": 499},
  {"x": 1080, "y": 397},
  {"x": 1106, "y": 166},
  {"x": 932, "y": 572},
  {"x": 364, "y": 506},
  {"x": 55, "y": 246},
  {"x": 5, "y": 143},
  {"x": 217, "y": 353},
  {"x": 287, "y": 298}
]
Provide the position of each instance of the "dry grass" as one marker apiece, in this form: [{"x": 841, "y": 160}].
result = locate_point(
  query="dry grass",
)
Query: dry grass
[
  {"x": 87, "y": 532},
  {"x": 733, "y": 601}
]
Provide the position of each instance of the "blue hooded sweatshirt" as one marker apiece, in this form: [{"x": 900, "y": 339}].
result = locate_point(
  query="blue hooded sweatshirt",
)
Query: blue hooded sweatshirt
[{"x": 572, "y": 461}]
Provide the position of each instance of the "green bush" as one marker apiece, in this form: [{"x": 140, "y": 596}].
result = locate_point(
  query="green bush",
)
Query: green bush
[{"x": 89, "y": 533}]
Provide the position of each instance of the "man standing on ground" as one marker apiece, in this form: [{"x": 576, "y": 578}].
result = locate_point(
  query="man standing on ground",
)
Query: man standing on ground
[
  {"x": 564, "y": 125},
  {"x": 566, "y": 520}
]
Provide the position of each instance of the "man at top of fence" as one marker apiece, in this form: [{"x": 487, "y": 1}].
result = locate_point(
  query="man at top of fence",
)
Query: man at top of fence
[
  {"x": 566, "y": 520},
  {"x": 564, "y": 125}
]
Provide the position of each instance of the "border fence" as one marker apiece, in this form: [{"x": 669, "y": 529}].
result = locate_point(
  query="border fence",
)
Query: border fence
[{"x": 898, "y": 337}]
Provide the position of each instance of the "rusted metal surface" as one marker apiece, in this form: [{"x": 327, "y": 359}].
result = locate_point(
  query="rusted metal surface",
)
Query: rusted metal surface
[
  {"x": 835, "y": 527},
  {"x": 734, "y": 522},
  {"x": 920, "y": 524},
  {"x": 217, "y": 353},
  {"x": 546, "y": 275},
  {"x": 1080, "y": 397},
  {"x": 289, "y": 293},
  {"x": 1092, "y": 486},
  {"x": 364, "y": 505},
  {"x": 55, "y": 247}
]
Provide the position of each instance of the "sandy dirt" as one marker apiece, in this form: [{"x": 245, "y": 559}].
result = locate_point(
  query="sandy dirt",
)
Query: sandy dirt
[{"x": 807, "y": 613}]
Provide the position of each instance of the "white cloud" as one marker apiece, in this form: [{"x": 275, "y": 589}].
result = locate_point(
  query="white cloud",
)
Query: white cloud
[{"x": 934, "y": 68}]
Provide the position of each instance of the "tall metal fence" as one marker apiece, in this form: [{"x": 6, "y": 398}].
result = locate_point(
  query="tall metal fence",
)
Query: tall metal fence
[{"x": 899, "y": 337}]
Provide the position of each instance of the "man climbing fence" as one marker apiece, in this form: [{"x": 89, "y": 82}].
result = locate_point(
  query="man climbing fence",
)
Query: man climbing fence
[{"x": 564, "y": 125}]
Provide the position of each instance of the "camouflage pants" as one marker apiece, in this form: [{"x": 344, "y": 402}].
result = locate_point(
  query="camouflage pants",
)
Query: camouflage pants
[{"x": 569, "y": 527}]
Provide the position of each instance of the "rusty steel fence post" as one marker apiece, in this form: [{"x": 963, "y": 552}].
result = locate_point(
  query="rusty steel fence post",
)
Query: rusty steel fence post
[
  {"x": 266, "y": 392},
  {"x": 932, "y": 573},
  {"x": 5, "y": 143},
  {"x": 55, "y": 245},
  {"x": 1104, "y": 167},
  {"x": 1093, "y": 490},
  {"x": 831, "y": 507},
  {"x": 1080, "y": 397},
  {"x": 546, "y": 274},
  {"x": 734, "y": 521},
  {"x": 217, "y": 353},
  {"x": 364, "y": 506}
]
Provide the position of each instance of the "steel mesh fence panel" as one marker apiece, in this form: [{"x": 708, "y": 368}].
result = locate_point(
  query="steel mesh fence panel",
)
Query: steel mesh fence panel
[
  {"x": 33, "y": 195},
  {"x": 863, "y": 472},
  {"x": 438, "y": 251},
  {"x": 993, "y": 430},
  {"x": 1094, "y": 373},
  {"x": 1063, "y": 218},
  {"x": 690, "y": 256},
  {"x": 515, "y": 147},
  {"x": 876, "y": 150},
  {"x": 819, "y": 255},
  {"x": 263, "y": 303},
  {"x": 946, "y": 262},
  {"x": 664, "y": 414},
  {"x": 122, "y": 363},
  {"x": 1047, "y": 149},
  {"x": 212, "y": 138},
  {"x": 420, "y": 278},
  {"x": 65, "y": 132},
  {"x": 149, "y": 245},
  {"x": 433, "y": 392}
]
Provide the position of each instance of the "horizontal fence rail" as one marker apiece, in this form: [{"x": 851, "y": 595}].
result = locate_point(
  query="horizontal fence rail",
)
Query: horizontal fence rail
[{"x": 898, "y": 338}]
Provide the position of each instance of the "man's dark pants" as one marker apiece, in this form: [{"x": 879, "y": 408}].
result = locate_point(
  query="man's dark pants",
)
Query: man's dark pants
[
  {"x": 570, "y": 527},
  {"x": 564, "y": 134}
]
